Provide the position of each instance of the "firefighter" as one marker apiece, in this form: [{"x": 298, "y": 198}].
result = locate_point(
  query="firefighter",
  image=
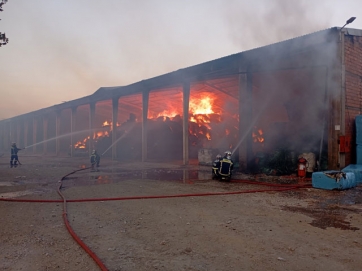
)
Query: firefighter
[
  {"x": 216, "y": 166},
  {"x": 95, "y": 159},
  {"x": 14, "y": 159},
  {"x": 226, "y": 166}
]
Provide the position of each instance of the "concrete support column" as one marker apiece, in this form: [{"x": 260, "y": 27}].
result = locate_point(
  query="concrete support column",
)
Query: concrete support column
[
  {"x": 114, "y": 126},
  {"x": 249, "y": 116},
  {"x": 145, "y": 102},
  {"x": 35, "y": 129},
  {"x": 92, "y": 112},
  {"x": 2, "y": 136},
  {"x": 185, "y": 130},
  {"x": 12, "y": 132},
  {"x": 336, "y": 124},
  {"x": 57, "y": 133},
  {"x": 7, "y": 136},
  {"x": 26, "y": 131},
  {"x": 45, "y": 134},
  {"x": 342, "y": 155},
  {"x": 73, "y": 124},
  {"x": 18, "y": 134},
  {"x": 244, "y": 119}
]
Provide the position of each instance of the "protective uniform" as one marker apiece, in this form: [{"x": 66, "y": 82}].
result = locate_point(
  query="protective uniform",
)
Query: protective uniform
[
  {"x": 226, "y": 165},
  {"x": 14, "y": 159},
  {"x": 95, "y": 159},
  {"x": 216, "y": 166}
]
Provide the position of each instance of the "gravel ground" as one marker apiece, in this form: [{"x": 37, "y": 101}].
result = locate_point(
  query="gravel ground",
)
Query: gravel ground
[{"x": 301, "y": 229}]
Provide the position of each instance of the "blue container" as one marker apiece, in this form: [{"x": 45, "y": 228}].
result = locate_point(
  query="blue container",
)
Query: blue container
[
  {"x": 357, "y": 170},
  {"x": 359, "y": 129},
  {"x": 333, "y": 180},
  {"x": 359, "y": 154}
]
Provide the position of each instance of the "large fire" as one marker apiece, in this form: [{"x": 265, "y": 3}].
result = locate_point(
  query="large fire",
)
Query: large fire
[
  {"x": 97, "y": 135},
  {"x": 109, "y": 124},
  {"x": 201, "y": 113},
  {"x": 202, "y": 106}
]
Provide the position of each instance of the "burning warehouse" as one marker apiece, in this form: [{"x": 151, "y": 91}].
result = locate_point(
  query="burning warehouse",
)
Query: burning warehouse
[{"x": 267, "y": 105}]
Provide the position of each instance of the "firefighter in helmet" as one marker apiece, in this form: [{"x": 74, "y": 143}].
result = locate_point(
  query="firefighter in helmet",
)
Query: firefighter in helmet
[
  {"x": 216, "y": 166},
  {"x": 226, "y": 165},
  {"x": 95, "y": 159},
  {"x": 14, "y": 159}
]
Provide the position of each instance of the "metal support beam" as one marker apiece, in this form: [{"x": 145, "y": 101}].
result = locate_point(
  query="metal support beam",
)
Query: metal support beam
[
  {"x": 2, "y": 136},
  {"x": 185, "y": 131},
  {"x": 7, "y": 136},
  {"x": 26, "y": 131},
  {"x": 92, "y": 112},
  {"x": 45, "y": 134},
  {"x": 115, "y": 102},
  {"x": 248, "y": 115},
  {"x": 145, "y": 102},
  {"x": 57, "y": 132},
  {"x": 244, "y": 103},
  {"x": 18, "y": 135},
  {"x": 73, "y": 124},
  {"x": 12, "y": 131},
  {"x": 219, "y": 89},
  {"x": 35, "y": 129}
]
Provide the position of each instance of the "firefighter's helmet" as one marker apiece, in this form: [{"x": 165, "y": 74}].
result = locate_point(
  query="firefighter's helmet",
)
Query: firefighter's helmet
[
  {"x": 13, "y": 144},
  {"x": 94, "y": 151},
  {"x": 218, "y": 156},
  {"x": 228, "y": 154}
]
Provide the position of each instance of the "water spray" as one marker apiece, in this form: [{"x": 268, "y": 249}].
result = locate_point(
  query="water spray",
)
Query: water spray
[
  {"x": 125, "y": 133},
  {"x": 61, "y": 136},
  {"x": 250, "y": 127},
  {"x": 248, "y": 130}
]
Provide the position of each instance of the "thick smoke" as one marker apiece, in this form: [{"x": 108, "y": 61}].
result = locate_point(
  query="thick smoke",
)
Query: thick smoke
[{"x": 267, "y": 22}]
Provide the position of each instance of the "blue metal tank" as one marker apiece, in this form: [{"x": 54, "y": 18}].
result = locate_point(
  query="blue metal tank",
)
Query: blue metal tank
[
  {"x": 333, "y": 180},
  {"x": 358, "y": 129},
  {"x": 357, "y": 170}
]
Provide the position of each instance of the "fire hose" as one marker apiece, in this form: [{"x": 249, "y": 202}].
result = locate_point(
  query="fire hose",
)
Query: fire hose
[{"x": 278, "y": 187}]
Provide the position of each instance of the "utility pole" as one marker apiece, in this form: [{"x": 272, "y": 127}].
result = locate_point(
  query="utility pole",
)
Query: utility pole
[{"x": 3, "y": 39}]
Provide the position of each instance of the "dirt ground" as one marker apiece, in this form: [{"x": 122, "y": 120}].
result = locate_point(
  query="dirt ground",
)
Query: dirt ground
[{"x": 301, "y": 229}]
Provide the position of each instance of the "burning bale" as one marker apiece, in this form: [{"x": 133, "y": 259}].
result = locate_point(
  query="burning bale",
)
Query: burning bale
[{"x": 208, "y": 128}]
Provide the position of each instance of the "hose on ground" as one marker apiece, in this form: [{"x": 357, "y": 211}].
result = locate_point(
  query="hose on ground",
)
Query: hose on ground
[
  {"x": 276, "y": 187},
  {"x": 70, "y": 229}
]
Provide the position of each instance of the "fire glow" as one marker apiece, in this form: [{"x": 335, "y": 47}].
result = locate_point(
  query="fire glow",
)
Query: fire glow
[
  {"x": 258, "y": 135},
  {"x": 109, "y": 124},
  {"x": 97, "y": 135},
  {"x": 201, "y": 112}
]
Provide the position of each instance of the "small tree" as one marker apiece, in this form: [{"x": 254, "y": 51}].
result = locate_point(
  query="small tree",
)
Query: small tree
[{"x": 3, "y": 39}]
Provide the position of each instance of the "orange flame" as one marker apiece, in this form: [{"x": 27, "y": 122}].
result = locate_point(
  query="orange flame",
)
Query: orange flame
[
  {"x": 96, "y": 135},
  {"x": 81, "y": 144},
  {"x": 201, "y": 106},
  {"x": 106, "y": 123},
  {"x": 258, "y": 136}
]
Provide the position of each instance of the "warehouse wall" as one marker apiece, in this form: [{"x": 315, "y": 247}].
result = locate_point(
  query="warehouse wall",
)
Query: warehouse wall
[{"x": 353, "y": 89}]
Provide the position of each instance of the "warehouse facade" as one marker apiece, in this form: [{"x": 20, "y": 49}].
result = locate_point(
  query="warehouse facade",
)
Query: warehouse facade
[{"x": 296, "y": 96}]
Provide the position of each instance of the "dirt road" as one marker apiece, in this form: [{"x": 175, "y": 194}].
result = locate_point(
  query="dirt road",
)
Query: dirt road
[{"x": 301, "y": 229}]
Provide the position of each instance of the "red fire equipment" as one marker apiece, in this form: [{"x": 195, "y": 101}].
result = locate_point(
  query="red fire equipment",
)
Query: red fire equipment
[{"x": 302, "y": 167}]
